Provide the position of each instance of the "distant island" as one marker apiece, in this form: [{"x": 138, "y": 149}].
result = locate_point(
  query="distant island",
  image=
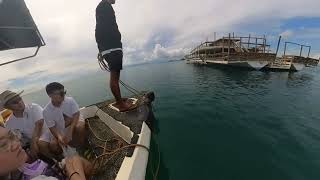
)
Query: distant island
[{"x": 176, "y": 60}]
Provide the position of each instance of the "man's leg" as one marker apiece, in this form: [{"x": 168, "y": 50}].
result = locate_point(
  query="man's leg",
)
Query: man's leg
[
  {"x": 48, "y": 145},
  {"x": 115, "y": 89},
  {"x": 79, "y": 134},
  {"x": 44, "y": 148},
  {"x": 114, "y": 85},
  {"x": 51, "y": 149}
]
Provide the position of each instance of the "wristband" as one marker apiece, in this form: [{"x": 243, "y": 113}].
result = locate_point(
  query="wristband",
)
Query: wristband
[{"x": 73, "y": 174}]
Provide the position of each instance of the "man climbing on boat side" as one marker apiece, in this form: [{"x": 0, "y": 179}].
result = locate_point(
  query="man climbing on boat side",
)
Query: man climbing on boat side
[
  {"x": 62, "y": 116},
  {"x": 108, "y": 38},
  {"x": 26, "y": 118}
]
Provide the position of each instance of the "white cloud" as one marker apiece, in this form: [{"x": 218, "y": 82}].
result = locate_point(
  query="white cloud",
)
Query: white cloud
[
  {"x": 287, "y": 34},
  {"x": 160, "y": 52},
  {"x": 151, "y": 29}
]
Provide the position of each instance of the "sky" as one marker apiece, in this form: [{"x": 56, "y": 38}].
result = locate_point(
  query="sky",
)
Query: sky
[{"x": 152, "y": 30}]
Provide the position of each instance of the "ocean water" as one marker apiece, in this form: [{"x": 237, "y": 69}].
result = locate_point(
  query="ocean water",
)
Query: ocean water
[{"x": 223, "y": 124}]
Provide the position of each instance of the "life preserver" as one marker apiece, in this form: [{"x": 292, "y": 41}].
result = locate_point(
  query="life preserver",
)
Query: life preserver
[
  {"x": 1, "y": 121},
  {"x": 5, "y": 114}
]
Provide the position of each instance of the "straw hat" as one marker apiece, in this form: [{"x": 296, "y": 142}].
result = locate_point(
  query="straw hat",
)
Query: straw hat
[{"x": 7, "y": 96}]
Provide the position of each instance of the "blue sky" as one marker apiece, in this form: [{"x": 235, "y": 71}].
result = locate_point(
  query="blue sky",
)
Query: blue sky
[
  {"x": 152, "y": 30},
  {"x": 303, "y": 30}
]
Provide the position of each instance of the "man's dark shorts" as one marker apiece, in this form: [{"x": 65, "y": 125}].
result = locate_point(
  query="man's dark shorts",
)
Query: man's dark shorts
[{"x": 114, "y": 60}]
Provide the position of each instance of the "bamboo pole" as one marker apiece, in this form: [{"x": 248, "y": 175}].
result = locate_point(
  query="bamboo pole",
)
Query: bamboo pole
[
  {"x": 249, "y": 41},
  {"x": 309, "y": 51},
  {"x": 301, "y": 48},
  {"x": 222, "y": 46},
  {"x": 241, "y": 44},
  {"x": 264, "y": 43},
  {"x": 279, "y": 41},
  {"x": 229, "y": 46},
  {"x": 285, "y": 48},
  {"x": 256, "y": 45}
]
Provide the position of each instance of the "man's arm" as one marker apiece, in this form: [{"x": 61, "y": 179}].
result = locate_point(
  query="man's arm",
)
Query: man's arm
[
  {"x": 53, "y": 127},
  {"x": 37, "y": 130},
  {"x": 78, "y": 168},
  {"x": 57, "y": 134},
  {"x": 72, "y": 122},
  {"x": 37, "y": 114},
  {"x": 35, "y": 137}
]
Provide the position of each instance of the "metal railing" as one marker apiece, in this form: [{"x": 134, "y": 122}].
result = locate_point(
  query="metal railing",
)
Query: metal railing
[{"x": 35, "y": 29}]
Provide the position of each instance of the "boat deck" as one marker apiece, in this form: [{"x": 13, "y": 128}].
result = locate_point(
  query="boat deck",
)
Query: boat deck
[
  {"x": 102, "y": 139},
  {"x": 112, "y": 163}
]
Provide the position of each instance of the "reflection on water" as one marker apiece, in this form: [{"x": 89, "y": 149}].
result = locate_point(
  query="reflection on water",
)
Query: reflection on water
[{"x": 299, "y": 79}]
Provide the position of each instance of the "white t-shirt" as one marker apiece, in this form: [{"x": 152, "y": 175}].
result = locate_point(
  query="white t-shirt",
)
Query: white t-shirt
[
  {"x": 26, "y": 124},
  {"x": 53, "y": 116}
]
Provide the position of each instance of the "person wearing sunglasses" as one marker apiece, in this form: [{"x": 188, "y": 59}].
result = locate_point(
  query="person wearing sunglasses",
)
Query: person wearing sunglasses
[
  {"x": 26, "y": 118},
  {"x": 62, "y": 116},
  {"x": 14, "y": 158}
]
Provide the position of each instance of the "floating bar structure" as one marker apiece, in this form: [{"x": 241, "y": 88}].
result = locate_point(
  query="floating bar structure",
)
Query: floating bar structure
[{"x": 248, "y": 52}]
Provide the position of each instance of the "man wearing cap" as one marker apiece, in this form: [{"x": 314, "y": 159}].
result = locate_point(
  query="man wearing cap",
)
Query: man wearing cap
[
  {"x": 26, "y": 118},
  {"x": 62, "y": 116},
  {"x": 109, "y": 43}
]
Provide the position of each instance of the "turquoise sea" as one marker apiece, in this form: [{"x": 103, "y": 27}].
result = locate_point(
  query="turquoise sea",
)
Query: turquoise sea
[{"x": 223, "y": 124}]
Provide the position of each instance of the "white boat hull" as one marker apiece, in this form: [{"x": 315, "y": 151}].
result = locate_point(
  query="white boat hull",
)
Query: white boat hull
[
  {"x": 257, "y": 65},
  {"x": 134, "y": 167},
  {"x": 298, "y": 66}
]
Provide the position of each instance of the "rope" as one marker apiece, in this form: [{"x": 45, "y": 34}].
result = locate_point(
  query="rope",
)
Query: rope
[
  {"x": 105, "y": 67},
  {"x": 115, "y": 152},
  {"x": 99, "y": 160}
]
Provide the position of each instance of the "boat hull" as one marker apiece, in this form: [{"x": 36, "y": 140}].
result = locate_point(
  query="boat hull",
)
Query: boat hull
[
  {"x": 254, "y": 65},
  {"x": 298, "y": 66}
]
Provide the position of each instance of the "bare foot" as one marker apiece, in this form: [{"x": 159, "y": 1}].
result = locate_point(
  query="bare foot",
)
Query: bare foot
[{"x": 123, "y": 106}]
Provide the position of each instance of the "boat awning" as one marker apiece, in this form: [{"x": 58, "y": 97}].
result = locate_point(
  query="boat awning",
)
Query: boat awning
[{"x": 17, "y": 28}]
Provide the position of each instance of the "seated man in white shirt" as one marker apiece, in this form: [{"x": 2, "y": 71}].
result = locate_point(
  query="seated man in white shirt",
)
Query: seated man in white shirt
[
  {"x": 26, "y": 118},
  {"x": 62, "y": 116}
]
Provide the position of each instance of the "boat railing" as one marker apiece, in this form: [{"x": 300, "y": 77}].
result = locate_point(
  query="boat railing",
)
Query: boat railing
[
  {"x": 247, "y": 43},
  {"x": 234, "y": 43},
  {"x": 300, "y": 59}
]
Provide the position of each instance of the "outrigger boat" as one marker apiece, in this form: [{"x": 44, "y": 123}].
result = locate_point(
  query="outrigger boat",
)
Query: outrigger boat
[{"x": 119, "y": 142}]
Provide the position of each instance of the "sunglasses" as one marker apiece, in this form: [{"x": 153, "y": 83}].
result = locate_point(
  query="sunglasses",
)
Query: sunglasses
[
  {"x": 15, "y": 101},
  {"x": 60, "y": 93},
  {"x": 7, "y": 140}
]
